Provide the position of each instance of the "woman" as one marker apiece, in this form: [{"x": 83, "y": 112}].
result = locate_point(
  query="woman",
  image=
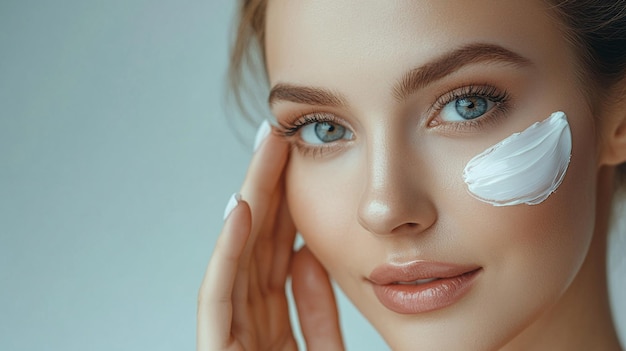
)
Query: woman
[{"x": 409, "y": 125}]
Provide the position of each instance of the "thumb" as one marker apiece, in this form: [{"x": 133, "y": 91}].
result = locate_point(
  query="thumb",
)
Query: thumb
[{"x": 315, "y": 301}]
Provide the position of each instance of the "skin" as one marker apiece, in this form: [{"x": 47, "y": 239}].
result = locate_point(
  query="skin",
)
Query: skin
[{"x": 393, "y": 192}]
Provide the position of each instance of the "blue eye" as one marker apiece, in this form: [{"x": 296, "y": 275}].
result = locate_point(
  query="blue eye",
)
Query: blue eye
[
  {"x": 324, "y": 132},
  {"x": 466, "y": 108}
]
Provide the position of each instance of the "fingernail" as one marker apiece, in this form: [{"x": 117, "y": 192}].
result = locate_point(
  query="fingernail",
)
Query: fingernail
[
  {"x": 261, "y": 134},
  {"x": 232, "y": 203}
]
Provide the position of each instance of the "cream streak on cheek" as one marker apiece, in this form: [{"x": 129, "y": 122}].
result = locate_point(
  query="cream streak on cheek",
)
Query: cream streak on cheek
[{"x": 524, "y": 168}]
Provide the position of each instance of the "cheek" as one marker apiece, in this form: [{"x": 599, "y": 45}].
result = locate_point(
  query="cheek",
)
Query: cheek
[
  {"x": 322, "y": 201},
  {"x": 533, "y": 252},
  {"x": 524, "y": 168}
]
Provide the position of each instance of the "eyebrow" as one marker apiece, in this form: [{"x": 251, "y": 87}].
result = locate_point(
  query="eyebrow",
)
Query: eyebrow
[
  {"x": 411, "y": 81},
  {"x": 305, "y": 95},
  {"x": 451, "y": 62}
]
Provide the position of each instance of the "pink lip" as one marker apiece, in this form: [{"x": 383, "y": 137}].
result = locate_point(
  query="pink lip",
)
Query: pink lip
[{"x": 451, "y": 284}]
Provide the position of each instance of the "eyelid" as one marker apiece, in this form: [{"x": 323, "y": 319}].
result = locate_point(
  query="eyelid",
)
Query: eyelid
[{"x": 291, "y": 125}]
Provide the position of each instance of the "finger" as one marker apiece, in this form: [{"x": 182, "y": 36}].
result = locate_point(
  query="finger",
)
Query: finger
[
  {"x": 272, "y": 254},
  {"x": 262, "y": 190},
  {"x": 315, "y": 301},
  {"x": 256, "y": 304},
  {"x": 215, "y": 305},
  {"x": 262, "y": 182},
  {"x": 263, "y": 177},
  {"x": 285, "y": 234},
  {"x": 266, "y": 241}
]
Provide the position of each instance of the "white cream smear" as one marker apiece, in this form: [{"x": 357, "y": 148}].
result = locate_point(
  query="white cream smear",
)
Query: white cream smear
[{"x": 524, "y": 168}]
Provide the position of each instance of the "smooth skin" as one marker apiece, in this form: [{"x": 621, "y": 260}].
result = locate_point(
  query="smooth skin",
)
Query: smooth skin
[{"x": 242, "y": 303}]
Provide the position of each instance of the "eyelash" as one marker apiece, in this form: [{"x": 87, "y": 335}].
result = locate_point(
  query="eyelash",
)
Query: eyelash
[
  {"x": 501, "y": 99},
  {"x": 290, "y": 128}
]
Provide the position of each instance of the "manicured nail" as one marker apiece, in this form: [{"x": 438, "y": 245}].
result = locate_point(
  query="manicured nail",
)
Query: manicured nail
[
  {"x": 232, "y": 203},
  {"x": 261, "y": 134}
]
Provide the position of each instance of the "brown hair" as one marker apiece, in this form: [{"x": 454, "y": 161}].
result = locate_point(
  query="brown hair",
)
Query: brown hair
[
  {"x": 596, "y": 29},
  {"x": 247, "y": 55}
]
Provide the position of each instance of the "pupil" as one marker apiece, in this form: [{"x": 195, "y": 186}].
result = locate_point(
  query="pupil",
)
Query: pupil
[{"x": 471, "y": 107}]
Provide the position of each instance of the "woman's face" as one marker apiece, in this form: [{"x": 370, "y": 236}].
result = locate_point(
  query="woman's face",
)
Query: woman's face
[{"x": 370, "y": 91}]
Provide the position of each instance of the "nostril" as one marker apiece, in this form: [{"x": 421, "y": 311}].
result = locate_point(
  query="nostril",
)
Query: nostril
[{"x": 408, "y": 227}]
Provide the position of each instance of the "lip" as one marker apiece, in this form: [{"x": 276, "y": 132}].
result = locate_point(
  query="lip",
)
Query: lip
[{"x": 442, "y": 285}]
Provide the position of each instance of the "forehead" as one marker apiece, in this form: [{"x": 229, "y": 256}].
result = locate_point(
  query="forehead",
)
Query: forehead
[{"x": 320, "y": 41}]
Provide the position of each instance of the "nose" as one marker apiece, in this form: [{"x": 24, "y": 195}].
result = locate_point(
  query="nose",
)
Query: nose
[{"x": 396, "y": 198}]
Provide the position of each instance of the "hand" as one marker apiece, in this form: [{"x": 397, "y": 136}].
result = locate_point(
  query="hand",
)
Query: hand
[{"x": 242, "y": 304}]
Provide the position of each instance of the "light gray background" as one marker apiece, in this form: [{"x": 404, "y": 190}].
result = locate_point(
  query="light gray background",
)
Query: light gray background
[{"x": 115, "y": 163}]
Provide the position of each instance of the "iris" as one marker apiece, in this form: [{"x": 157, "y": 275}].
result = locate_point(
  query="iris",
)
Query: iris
[
  {"x": 471, "y": 107},
  {"x": 328, "y": 132}
]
